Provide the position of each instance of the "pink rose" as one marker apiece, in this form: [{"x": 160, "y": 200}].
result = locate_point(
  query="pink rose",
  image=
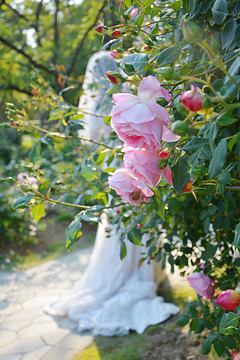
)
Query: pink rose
[
  {"x": 229, "y": 299},
  {"x": 139, "y": 120},
  {"x": 143, "y": 164},
  {"x": 26, "y": 179},
  {"x": 129, "y": 188},
  {"x": 202, "y": 284},
  {"x": 237, "y": 356},
  {"x": 192, "y": 99},
  {"x": 115, "y": 54},
  {"x": 133, "y": 12}
]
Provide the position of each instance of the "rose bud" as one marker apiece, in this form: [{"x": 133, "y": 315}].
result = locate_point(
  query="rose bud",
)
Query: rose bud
[
  {"x": 119, "y": 3},
  {"x": 164, "y": 154},
  {"x": 99, "y": 29},
  {"x": 115, "y": 54},
  {"x": 113, "y": 79},
  {"x": 119, "y": 210},
  {"x": 192, "y": 99},
  {"x": 116, "y": 33},
  {"x": 229, "y": 299},
  {"x": 153, "y": 258},
  {"x": 140, "y": 226},
  {"x": 188, "y": 186},
  {"x": 202, "y": 284}
]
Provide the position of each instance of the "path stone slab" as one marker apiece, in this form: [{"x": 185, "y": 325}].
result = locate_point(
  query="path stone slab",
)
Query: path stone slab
[
  {"x": 59, "y": 354},
  {"x": 36, "y": 354},
  {"x": 36, "y": 330},
  {"x": 21, "y": 346},
  {"x": 54, "y": 337},
  {"x": 7, "y": 337}
]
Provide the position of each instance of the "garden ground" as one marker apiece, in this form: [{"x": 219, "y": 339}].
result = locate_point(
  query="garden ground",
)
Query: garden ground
[{"x": 28, "y": 334}]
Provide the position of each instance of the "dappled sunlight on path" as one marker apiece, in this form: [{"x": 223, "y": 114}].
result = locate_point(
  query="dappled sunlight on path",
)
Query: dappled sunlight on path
[{"x": 26, "y": 332}]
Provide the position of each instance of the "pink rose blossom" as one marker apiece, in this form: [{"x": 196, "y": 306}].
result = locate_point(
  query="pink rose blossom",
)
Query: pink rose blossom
[
  {"x": 26, "y": 179},
  {"x": 192, "y": 99},
  {"x": 129, "y": 188},
  {"x": 237, "y": 356},
  {"x": 133, "y": 12},
  {"x": 229, "y": 299},
  {"x": 139, "y": 120},
  {"x": 143, "y": 164},
  {"x": 202, "y": 284}
]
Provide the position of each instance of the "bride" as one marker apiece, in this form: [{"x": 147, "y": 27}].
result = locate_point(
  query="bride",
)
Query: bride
[{"x": 113, "y": 296}]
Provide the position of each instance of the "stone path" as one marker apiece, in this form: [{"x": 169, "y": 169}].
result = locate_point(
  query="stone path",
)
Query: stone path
[{"x": 26, "y": 332}]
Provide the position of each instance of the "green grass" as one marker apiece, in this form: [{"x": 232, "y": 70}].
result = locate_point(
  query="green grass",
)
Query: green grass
[
  {"x": 129, "y": 347},
  {"x": 55, "y": 250}
]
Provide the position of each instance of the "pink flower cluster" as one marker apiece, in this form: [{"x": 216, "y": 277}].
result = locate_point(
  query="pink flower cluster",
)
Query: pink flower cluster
[{"x": 142, "y": 124}]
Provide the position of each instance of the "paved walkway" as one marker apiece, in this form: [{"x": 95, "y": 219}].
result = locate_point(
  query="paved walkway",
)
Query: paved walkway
[{"x": 26, "y": 332}]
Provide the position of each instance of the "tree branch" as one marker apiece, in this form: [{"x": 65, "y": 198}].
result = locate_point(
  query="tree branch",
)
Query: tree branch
[
  {"x": 56, "y": 35},
  {"x": 28, "y": 57},
  {"x": 15, "y": 87},
  {"x": 21, "y": 16},
  {"x": 80, "y": 44},
  {"x": 39, "y": 8}
]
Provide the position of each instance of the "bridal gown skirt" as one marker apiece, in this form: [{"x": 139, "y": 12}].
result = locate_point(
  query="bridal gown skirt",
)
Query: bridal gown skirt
[{"x": 113, "y": 296}]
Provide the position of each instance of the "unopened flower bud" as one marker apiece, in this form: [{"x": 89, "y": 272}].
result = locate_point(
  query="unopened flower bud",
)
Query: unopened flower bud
[
  {"x": 188, "y": 186},
  {"x": 164, "y": 154},
  {"x": 162, "y": 101},
  {"x": 140, "y": 226},
  {"x": 113, "y": 79},
  {"x": 136, "y": 195},
  {"x": 229, "y": 299},
  {"x": 115, "y": 54},
  {"x": 168, "y": 73},
  {"x": 99, "y": 29},
  {"x": 179, "y": 127},
  {"x": 162, "y": 163},
  {"x": 119, "y": 3},
  {"x": 133, "y": 12},
  {"x": 116, "y": 33},
  {"x": 192, "y": 99}
]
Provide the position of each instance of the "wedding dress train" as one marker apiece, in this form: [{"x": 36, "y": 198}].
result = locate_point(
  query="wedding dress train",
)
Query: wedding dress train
[{"x": 113, "y": 296}]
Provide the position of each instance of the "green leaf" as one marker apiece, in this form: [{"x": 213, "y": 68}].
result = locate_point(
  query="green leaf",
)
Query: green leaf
[
  {"x": 123, "y": 250},
  {"x": 195, "y": 143},
  {"x": 127, "y": 3},
  {"x": 140, "y": 20},
  {"x": 182, "y": 320},
  {"x": 35, "y": 153},
  {"x": 73, "y": 232},
  {"x": 234, "y": 67},
  {"x": 169, "y": 55},
  {"x": 228, "y": 323},
  {"x": 88, "y": 172},
  {"x": 38, "y": 211},
  {"x": 9, "y": 180},
  {"x": 135, "y": 236},
  {"x": 159, "y": 204},
  {"x": 176, "y": 6},
  {"x": 192, "y": 6},
  {"x": 95, "y": 208},
  {"x": 107, "y": 120},
  {"x": 219, "y": 347},
  {"x": 180, "y": 172},
  {"x": 218, "y": 159},
  {"x": 220, "y": 11},
  {"x": 206, "y": 347},
  {"x": 237, "y": 237},
  {"x": 228, "y": 33},
  {"x": 224, "y": 178},
  {"x": 90, "y": 218},
  {"x": 22, "y": 201},
  {"x": 226, "y": 120},
  {"x": 212, "y": 134},
  {"x": 137, "y": 61},
  {"x": 147, "y": 2},
  {"x": 194, "y": 324}
]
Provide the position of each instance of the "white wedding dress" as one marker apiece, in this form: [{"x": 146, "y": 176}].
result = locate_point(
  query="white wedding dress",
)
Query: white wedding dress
[{"x": 113, "y": 296}]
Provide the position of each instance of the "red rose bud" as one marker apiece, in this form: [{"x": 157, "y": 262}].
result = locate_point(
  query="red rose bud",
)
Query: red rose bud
[
  {"x": 99, "y": 29},
  {"x": 188, "y": 186},
  {"x": 164, "y": 155},
  {"x": 153, "y": 258},
  {"x": 115, "y": 54},
  {"x": 192, "y": 99},
  {"x": 119, "y": 210},
  {"x": 116, "y": 33},
  {"x": 113, "y": 79},
  {"x": 229, "y": 299},
  {"x": 119, "y": 3},
  {"x": 140, "y": 226}
]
